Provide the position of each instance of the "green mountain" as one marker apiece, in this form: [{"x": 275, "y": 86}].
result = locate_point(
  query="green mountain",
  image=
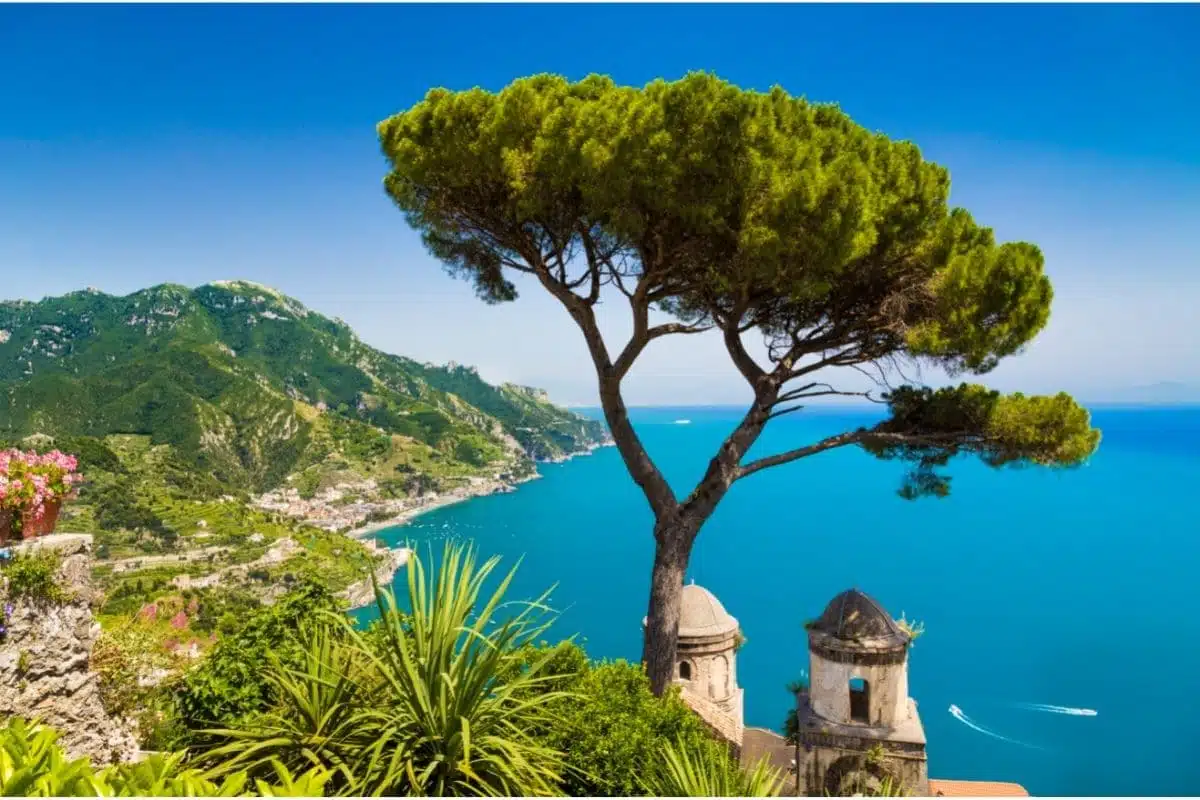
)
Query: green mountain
[{"x": 249, "y": 387}]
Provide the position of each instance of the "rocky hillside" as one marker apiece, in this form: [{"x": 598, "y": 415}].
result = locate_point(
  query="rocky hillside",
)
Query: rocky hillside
[
  {"x": 250, "y": 388},
  {"x": 46, "y": 643}
]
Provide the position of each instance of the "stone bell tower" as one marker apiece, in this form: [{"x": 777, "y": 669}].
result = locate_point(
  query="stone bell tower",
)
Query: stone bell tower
[
  {"x": 856, "y": 724},
  {"x": 706, "y": 663}
]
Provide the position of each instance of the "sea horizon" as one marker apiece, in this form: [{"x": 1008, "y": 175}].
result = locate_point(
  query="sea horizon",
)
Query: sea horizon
[{"x": 1108, "y": 405}]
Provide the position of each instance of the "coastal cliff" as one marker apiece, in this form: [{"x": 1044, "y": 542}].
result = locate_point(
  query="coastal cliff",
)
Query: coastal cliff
[{"x": 362, "y": 593}]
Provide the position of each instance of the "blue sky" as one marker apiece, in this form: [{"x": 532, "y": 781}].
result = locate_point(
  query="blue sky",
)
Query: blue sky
[{"x": 142, "y": 144}]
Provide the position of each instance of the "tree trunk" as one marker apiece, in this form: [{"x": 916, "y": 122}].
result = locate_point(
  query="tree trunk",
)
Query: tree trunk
[{"x": 671, "y": 553}]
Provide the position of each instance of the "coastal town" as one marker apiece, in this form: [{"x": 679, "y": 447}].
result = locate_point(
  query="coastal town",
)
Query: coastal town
[{"x": 359, "y": 508}]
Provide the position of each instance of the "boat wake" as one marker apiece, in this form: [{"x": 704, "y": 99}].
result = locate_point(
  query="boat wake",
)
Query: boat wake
[
  {"x": 1049, "y": 709},
  {"x": 958, "y": 714},
  {"x": 683, "y": 422}
]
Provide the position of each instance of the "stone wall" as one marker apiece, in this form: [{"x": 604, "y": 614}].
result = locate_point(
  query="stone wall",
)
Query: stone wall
[
  {"x": 723, "y": 722},
  {"x": 713, "y": 672},
  {"x": 887, "y": 688},
  {"x": 824, "y": 761},
  {"x": 44, "y": 670}
]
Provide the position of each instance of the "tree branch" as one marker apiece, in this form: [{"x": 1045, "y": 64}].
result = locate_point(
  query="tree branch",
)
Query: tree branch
[
  {"x": 830, "y": 443},
  {"x": 731, "y": 327},
  {"x": 641, "y": 468},
  {"x": 854, "y": 437}
]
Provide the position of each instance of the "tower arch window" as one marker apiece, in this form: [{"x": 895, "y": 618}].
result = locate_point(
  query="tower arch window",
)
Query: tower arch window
[
  {"x": 860, "y": 700},
  {"x": 685, "y": 670}
]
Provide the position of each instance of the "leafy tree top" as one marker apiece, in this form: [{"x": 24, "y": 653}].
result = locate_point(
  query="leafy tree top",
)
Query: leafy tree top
[
  {"x": 759, "y": 208},
  {"x": 737, "y": 210}
]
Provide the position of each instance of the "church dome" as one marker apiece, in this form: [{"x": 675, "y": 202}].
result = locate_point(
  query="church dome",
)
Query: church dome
[
  {"x": 855, "y": 618},
  {"x": 702, "y": 616}
]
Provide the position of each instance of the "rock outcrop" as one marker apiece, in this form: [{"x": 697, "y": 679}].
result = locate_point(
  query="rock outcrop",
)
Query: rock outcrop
[
  {"x": 44, "y": 654},
  {"x": 362, "y": 593}
]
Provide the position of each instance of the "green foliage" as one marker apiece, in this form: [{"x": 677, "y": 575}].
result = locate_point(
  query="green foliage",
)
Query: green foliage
[
  {"x": 33, "y": 577},
  {"x": 116, "y": 507},
  {"x": 126, "y": 651},
  {"x": 913, "y": 628},
  {"x": 222, "y": 609},
  {"x": 230, "y": 684},
  {"x": 610, "y": 723},
  {"x": 33, "y": 765},
  {"x": 929, "y": 427},
  {"x": 446, "y": 724},
  {"x": 699, "y": 768},
  {"x": 444, "y": 700},
  {"x": 762, "y": 199},
  {"x": 314, "y": 716},
  {"x": 228, "y": 375},
  {"x": 307, "y": 483},
  {"x": 735, "y": 209}
]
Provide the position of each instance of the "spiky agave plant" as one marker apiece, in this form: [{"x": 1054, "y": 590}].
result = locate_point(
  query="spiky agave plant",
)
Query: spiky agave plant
[
  {"x": 312, "y": 723},
  {"x": 706, "y": 769},
  {"x": 453, "y": 716}
]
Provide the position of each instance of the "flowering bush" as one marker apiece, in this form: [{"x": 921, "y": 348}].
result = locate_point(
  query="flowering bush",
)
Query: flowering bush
[{"x": 29, "y": 481}]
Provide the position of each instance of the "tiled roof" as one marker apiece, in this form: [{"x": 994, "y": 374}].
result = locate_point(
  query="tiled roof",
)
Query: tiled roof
[{"x": 975, "y": 789}]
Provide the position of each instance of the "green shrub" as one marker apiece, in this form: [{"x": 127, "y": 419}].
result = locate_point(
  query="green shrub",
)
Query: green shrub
[
  {"x": 126, "y": 652},
  {"x": 33, "y": 765},
  {"x": 33, "y": 576},
  {"x": 230, "y": 684},
  {"x": 699, "y": 768},
  {"x": 611, "y": 725}
]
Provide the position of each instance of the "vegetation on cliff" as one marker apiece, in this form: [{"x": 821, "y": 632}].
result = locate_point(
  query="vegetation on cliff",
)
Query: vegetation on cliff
[{"x": 248, "y": 386}]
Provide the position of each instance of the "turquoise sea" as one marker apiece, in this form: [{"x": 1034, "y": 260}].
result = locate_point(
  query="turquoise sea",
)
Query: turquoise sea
[{"x": 1075, "y": 589}]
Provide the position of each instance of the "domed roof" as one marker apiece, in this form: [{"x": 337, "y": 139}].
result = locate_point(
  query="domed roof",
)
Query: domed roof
[
  {"x": 702, "y": 615},
  {"x": 853, "y": 616}
]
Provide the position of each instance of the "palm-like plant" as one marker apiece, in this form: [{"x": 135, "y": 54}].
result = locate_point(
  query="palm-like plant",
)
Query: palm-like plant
[
  {"x": 313, "y": 723},
  {"x": 453, "y": 716},
  {"x": 706, "y": 769}
]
